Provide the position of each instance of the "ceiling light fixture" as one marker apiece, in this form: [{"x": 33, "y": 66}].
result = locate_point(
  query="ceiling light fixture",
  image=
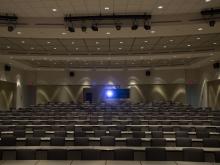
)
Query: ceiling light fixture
[
  {"x": 198, "y": 38},
  {"x": 63, "y": 33},
  {"x": 152, "y": 31},
  {"x": 22, "y": 42},
  {"x": 18, "y": 33},
  {"x": 48, "y": 42},
  {"x": 200, "y": 29},
  {"x": 54, "y": 10},
  {"x": 108, "y": 33},
  {"x": 189, "y": 45},
  {"x": 106, "y": 8},
  {"x": 160, "y": 7}
]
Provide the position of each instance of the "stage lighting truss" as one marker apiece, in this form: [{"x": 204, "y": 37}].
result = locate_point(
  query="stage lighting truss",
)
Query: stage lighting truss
[
  {"x": 9, "y": 20},
  {"x": 116, "y": 21}
]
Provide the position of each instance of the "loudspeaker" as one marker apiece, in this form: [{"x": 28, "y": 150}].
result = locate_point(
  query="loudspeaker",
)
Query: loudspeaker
[
  {"x": 147, "y": 73},
  {"x": 7, "y": 68},
  {"x": 72, "y": 74},
  {"x": 216, "y": 65}
]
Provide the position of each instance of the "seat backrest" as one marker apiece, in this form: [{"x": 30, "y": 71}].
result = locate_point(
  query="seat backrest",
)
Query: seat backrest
[
  {"x": 156, "y": 134},
  {"x": 211, "y": 142},
  {"x": 90, "y": 154},
  {"x": 60, "y": 134},
  {"x": 155, "y": 154},
  {"x": 19, "y": 133},
  {"x": 8, "y": 141},
  {"x": 193, "y": 154},
  {"x": 79, "y": 133},
  {"x": 115, "y": 133},
  {"x": 133, "y": 142},
  {"x": 107, "y": 141},
  {"x": 202, "y": 134},
  {"x": 33, "y": 141},
  {"x": 183, "y": 142},
  {"x": 57, "y": 141},
  {"x": 81, "y": 141},
  {"x": 138, "y": 134},
  {"x": 56, "y": 154},
  {"x": 182, "y": 134},
  {"x": 158, "y": 142},
  {"x": 99, "y": 133},
  {"x": 124, "y": 154},
  {"x": 39, "y": 133},
  {"x": 25, "y": 154}
]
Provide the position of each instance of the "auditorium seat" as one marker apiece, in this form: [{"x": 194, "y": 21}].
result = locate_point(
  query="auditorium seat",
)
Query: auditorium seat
[
  {"x": 183, "y": 142},
  {"x": 211, "y": 142},
  {"x": 202, "y": 134},
  {"x": 99, "y": 133},
  {"x": 217, "y": 157},
  {"x": 60, "y": 133},
  {"x": 181, "y": 134},
  {"x": 57, "y": 154},
  {"x": 124, "y": 154},
  {"x": 107, "y": 140},
  {"x": 158, "y": 142},
  {"x": 25, "y": 154},
  {"x": 193, "y": 154},
  {"x": 79, "y": 133},
  {"x": 90, "y": 154},
  {"x": 81, "y": 141},
  {"x": 19, "y": 133},
  {"x": 133, "y": 142},
  {"x": 39, "y": 133},
  {"x": 138, "y": 134},
  {"x": 57, "y": 141},
  {"x": 156, "y": 134},
  {"x": 8, "y": 141},
  {"x": 33, "y": 141},
  {"x": 155, "y": 154},
  {"x": 115, "y": 133}
]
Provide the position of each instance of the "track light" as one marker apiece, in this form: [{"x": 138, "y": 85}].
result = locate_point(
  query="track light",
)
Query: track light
[
  {"x": 83, "y": 28},
  {"x": 147, "y": 27},
  {"x": 134, "y": 26},
  {"x": 212, "y": 23},
  {"x": 11, "y": 28},
  {"x": 71, "y": 29},
  {"x": 118, "y": 27},
  {"x": 95, "y": 27}
]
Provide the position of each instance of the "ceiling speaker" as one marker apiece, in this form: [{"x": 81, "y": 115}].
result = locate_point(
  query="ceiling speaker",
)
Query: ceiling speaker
[
  {"x": 216, "y": 65},
  {"x": 7, "y": 68},
  {"x": 72, "y": 74},
  {"x": 147, "y": 73}
]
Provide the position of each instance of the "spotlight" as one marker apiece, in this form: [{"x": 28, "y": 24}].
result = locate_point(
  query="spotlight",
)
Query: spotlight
[
  {"x": 71, "y": 29},
  {"x": 212, "y": 23},
  {"x": 147, "y": 27},
  {"x": 118, "y": 27},
  {"x": 83, "y": 28},
  {"x": 109, "y": 93},
  {"x": 95, "y": 27},
  {"x": 134, "y": 27},
  {"x": 11, "y": 28}
]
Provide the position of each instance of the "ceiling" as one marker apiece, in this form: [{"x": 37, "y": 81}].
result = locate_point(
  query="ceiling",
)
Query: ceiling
[{"x": 41, "y": 40}]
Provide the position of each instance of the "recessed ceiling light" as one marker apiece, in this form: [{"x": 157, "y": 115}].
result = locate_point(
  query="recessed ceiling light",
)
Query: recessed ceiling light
[
  {"x": 174, "y": 56},
  {"x": 72, "y": 42},
  {"x": 142, "y": 47},
  {"x": 171, "y": 40},
  {"x": 54, "y": 48},
  {"x": 214, "y": 43},
  {"x": 22, "y": 42},
  {"x": 198, "y": 38},
  {"x": 211, "y": 60},
  {"x": 8, "y": 47},
  {"x": 18, "y": 33},
  {"x": 207, "y": 0},
  {"x": 160, "y": 7},
  {"x": 77, "y": 48},
  {"x": 120, "y": 48},
  {"x": 121, "y": 42},
  {"x": 200, "y": 29},
  {"x": 48, "y": 42},
  {"x": 146, "y": 41},
  {"x": 211, "y": 54},
  {"x": 97, "y": 42},
  {"x": 54, "y": 10},
  {"x": 108, "y": 33},
  {"x": 64, "y": 33},
  {"x": 55, "y": 63},
  {"x": 32, "y": 48},
  {"x": 32, "y": 59},
  {"x": 98, "y": 48},
  {"x": 11, "y": 57},
  {"x": 107, "y": 8},
  {"x": 164, "y": 46},
  {"x": 189, "y": 45},
  {"x": 152, "y": 31}
]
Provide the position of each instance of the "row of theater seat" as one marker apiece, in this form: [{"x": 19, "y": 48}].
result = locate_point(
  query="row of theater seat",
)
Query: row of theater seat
[
  {"x": 151, "y": 154},
  {"x": 114, "y": 133},
  {"x": 109, "y": 141}
]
